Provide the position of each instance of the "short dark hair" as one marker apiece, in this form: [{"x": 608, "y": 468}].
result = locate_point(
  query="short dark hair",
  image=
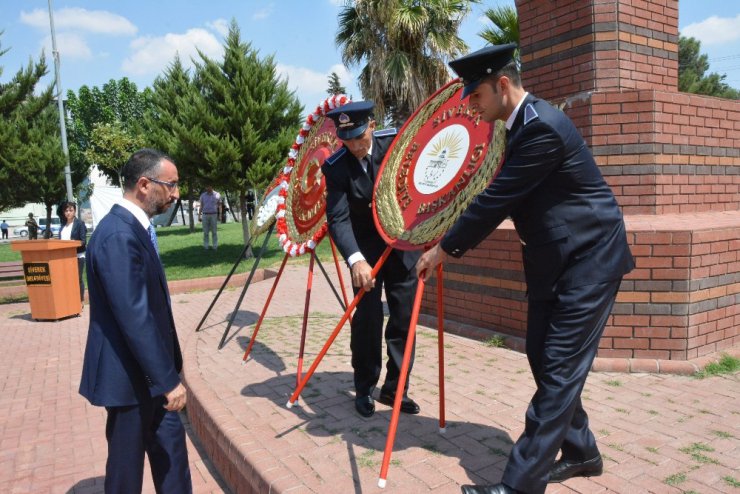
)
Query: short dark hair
[
  {"x": 511, "y": 70},
  {"x": 60, "y": 211},
  {"x": 143, "y": 163}
]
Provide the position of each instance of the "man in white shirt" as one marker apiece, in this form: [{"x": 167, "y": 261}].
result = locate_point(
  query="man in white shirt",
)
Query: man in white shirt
[
  {"x": 210, "y": 212},
  {"x": 132, "y": 357}
]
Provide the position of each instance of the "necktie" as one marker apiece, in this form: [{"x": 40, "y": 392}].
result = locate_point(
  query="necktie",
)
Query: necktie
[
  {"x": 153, "y": 238},
  {"x": 368, "y": 167}
]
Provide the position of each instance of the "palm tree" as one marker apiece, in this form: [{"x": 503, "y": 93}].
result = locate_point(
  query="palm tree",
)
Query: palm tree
[
  {"x": 505, "y": 27},
  {"x": 405, "y": 45}
]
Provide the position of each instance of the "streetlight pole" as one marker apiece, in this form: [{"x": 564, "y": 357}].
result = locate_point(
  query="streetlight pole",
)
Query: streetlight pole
[{"x": 62, "y": 125}]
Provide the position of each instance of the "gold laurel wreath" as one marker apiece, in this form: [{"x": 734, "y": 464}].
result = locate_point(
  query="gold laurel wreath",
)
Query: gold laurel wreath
[
  {"x": 388, "y": 210},
  {"x": 295, "y": 236}
]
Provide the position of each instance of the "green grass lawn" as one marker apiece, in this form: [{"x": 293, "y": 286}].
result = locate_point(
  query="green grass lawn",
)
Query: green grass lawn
[{"x": 184, "y": 258}]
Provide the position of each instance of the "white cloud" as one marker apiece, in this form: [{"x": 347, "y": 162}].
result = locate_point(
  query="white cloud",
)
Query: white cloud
[
  {"x": 221, "y": 26},
  {"x": 70, "y": 45},
  {"x": 310, "y": 86},
  {"x": 263, "y": 13},
  {"x": 152, "y": 55},
  {"x": 92, "y": 21},
  {"x": 714, "y": 30}
]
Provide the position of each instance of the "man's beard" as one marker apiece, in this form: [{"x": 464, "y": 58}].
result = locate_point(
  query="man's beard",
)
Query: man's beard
[{"x": 154, "y": 207}]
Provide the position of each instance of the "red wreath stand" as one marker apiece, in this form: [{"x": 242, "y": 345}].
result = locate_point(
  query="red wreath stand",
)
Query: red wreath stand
[
  {"x": 421, "y": 192},
  {"x": 300, "y": 216}
]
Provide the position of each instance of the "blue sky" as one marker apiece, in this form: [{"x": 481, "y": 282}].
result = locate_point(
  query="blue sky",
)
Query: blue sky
[{"x": 101, "y": 40}]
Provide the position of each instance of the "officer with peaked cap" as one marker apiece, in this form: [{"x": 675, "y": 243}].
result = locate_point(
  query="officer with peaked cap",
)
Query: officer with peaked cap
[
  {"x": 350, "y": 174},
  {"x": 575, "y": 253}
]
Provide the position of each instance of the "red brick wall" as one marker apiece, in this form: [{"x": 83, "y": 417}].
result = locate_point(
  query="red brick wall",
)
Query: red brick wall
[
  {"x": 572, "y": 46},
  {"x": 664, "y": 152},
  {"x": 672, "y": 159},
  {"x": 681, "y": 302}
]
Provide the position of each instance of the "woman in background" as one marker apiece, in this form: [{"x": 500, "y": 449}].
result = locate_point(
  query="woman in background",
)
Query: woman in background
[{"x": 74, "y": 229}]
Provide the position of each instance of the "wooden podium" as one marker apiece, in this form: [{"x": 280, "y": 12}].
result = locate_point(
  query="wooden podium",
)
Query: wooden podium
[{"x": 52, "y": 279}]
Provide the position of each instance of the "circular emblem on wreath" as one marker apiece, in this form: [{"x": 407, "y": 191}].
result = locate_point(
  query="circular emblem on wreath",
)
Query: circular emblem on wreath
[
  {"x": 441, "y": 159},
  {"x": 301, "y": 209}
]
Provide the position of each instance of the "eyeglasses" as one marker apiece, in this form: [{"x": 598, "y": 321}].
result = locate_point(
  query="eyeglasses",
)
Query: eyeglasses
[{"x": 169, "y": 185}]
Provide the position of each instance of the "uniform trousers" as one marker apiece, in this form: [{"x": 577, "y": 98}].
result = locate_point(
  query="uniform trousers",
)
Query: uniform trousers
[
  {"x": 148, "y": 428},
  {"x": 562, "y": 340},
  {"x": 367, "y": 327}
]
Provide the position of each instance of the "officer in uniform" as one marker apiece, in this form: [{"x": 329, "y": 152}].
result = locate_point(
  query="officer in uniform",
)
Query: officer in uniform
[
  {"x": 350, "y": 175},
  {"x": 575, "y": 253}
]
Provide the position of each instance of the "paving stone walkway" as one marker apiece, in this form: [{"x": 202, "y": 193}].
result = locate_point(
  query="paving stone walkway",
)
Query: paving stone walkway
[{"x": 659, "y": 433}]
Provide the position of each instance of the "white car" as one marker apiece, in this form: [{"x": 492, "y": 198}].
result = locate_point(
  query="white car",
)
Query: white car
[{"x": 22, "y": 231}]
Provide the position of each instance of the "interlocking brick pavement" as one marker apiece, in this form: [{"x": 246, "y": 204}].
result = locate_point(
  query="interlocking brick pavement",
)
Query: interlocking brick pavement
[{"x": 658, "y": 432}]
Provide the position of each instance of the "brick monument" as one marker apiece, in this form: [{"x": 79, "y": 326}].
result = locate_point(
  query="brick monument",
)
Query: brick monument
[{"x": 673, "y": 161}]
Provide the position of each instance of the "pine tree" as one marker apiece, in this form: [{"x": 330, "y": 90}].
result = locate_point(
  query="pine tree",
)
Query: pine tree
[
  {"x": 248, "y": 117},
  {"x": 166, "y": 123},
  {"x": 18, "y": 109},
  {"x": 692, "y": 68},
  {"x": 335, "y": 85}
]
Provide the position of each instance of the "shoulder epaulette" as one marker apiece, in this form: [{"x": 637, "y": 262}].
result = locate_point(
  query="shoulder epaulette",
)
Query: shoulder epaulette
[
  {"x": 334, "y": 157},
  {"x": 529, "y": 113},
  {"x": 385, "y": 132}
]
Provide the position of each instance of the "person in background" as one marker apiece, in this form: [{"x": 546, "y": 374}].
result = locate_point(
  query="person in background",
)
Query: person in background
[
  {"x": 33, "y": 227},
  {"x": 575, "y": 253},
  {"x": 210, "y": 211},
  {"x": 74, "y": 229},
  {"x": 4, "y": 228},
  {"x": 350, "y": 173},
  {"x": 250, "y": 203},
  {"x": 224, "y": 210},
  {"x": 132, "y": 359}
]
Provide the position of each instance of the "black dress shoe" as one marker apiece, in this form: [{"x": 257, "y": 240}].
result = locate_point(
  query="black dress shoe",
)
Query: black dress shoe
[
  {"x": 365, "y": 406},
  {"x": 488, "y": 489},
  {"x": 564, "y": 469},
  {"x": 407, "y": 404}
]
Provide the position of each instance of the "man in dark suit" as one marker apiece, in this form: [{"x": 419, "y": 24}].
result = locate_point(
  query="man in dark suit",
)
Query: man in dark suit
[
  {"x": 350, "y": 174},
  {"x": 132, "y": 359},
  {"x": 575, "y": 252}
]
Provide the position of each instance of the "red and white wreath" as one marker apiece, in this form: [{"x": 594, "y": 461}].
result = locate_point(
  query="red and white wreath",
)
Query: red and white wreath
[{"x": 293, "y": 246}]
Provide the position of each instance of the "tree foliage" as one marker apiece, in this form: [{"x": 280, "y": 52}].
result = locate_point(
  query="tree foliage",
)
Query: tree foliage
[
  {"x": 119, "y": 105},
  {"x": 335, "y": 85},
  {"x": 110, "y": 147},
  {"x": 246, "y": 118},
  {"x": 45, "y": 149},
  {"x": 173, "y": 129},
  {"x": 250, "y": 115},
  {"x": 504, "y": 28},
  {"x": 404, "y": 46},
  {"x": 19, "y": 110},
  {"x": 692, "y": 76}
]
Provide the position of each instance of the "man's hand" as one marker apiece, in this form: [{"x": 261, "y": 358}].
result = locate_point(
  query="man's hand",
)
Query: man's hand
[
  {"x": 428, "y": 261},
  {"x": 176, "y": 398},
  {"x": 362, "y": 275}
]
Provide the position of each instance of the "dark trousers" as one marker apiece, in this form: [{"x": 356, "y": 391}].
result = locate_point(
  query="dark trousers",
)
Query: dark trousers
[
  {"x": 148, "y": 428},
  {"x": 80, "y": 270},
  {"x": 367, "y": 328},
  {"x": 562, "y": 339},
  {"x": 5, "y": 233}
]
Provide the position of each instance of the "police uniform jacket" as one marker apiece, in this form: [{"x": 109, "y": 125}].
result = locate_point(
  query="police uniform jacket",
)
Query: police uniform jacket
[
  {"x": 349, "y": 194},
  {"x": 567, "y": 218}
]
